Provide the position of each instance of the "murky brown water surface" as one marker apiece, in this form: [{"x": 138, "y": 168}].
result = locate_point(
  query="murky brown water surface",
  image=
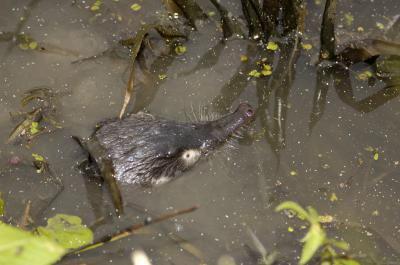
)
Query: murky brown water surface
[{"x": 237, "y": 187}]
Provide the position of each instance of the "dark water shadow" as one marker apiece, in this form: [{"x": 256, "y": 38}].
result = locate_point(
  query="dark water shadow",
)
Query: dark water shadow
[{"x": 340, "y": 77}]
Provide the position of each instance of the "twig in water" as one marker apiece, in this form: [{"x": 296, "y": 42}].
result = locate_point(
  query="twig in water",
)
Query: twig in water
[{"x": 128, "y": 231}]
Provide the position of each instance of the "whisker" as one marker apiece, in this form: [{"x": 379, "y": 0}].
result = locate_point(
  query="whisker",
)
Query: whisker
[
  {"x": 191, "y": 115},
  {"x": 238, "y": 134},
  {"x": 202, "y": 114},
  {"x": 194, "y": 114},
  {"x": 232, "y": 145}
]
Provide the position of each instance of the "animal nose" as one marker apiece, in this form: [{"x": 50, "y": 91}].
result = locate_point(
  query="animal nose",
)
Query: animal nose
[{"x": 246, "y": 109}]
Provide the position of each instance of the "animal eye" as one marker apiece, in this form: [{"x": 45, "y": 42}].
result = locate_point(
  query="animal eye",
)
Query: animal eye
[{"x": 190, "y": 157}]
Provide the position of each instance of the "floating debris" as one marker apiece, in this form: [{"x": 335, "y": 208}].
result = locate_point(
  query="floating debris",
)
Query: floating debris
[
  {"x": 333, "y": 197},
  {"x": 267, "y": 70},
  {"x": 326, "y": 219},
  {"x": 380, "y": 25},
  {"x": 34, "y": 128},
  {"x": 254, "y": 73},
  {"x": 272, "y": 46},
  {"x": 136, "y": 7},
  {"x": 365, "y": 75},
  {"x": 139, "y": 257},
  {"x": 33, "y": 45},
  {"x": 96, "y": 6},
  {"x": 180, "y": 49},
  {"x": 244, "y": 58},
  {"x": 211, "y": 13},
  {"x": 349, "y": 18},
  {"x": 162, "y": 76},
  {"x": 306, "y": 46},
  {"x": 37, "y": 157},
  {"x": 369, "y": 148},
  {"x": 226, "y": 260}
]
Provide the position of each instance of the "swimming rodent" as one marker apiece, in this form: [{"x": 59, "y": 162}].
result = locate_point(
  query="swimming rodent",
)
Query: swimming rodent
[{"x": 147, "y": 150}]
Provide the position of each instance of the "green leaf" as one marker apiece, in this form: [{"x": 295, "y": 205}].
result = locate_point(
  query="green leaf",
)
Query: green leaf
[
  {"x": 346, "y": 262},
  {"x": 96, "y": 6},
  {"x": 339, "y": 244},
  {"x": 162, "y": 76},
  {"x": 272, "y": 46},
  {"x": 349, "y": 18},
  {"x": 18, "y": 247},
  {"x": 179, "y": 50},
  {"x": 38, "y": 157},
  {"x": 313, "y": 241},
  {"x": 267, "y": 70},
  {"x": 289, "y": 205},
  {"x": 33, "y": 45},
  {"x": 380, "y": 25},
  {"x": 333, "y": 197},
  {"x": 136, "y": 7},
  {"x": 254, "y": 73},
  {"x": 244, "y": 58},
  {"x": 67, "y": 230},
  {"x": 1, "y": 205},
  {"x": 34, "y": 127},
  {"x": 306, "y": 46}
]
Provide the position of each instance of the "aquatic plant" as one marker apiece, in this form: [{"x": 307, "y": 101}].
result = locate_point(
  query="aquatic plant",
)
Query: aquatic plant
[{"x": 316, "y": 239}]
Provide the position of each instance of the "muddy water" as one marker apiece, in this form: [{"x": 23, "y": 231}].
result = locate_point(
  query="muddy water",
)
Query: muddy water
[{"x": 237, "y": 188}]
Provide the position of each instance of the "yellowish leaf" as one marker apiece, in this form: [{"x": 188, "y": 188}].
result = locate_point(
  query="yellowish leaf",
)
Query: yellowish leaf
[
  {"x": 179, "y": 50},
  {"x": 380, "y": 25},
  {"x": 136, "y": 7},
  {"x": 254, "y": 73},
  {"x": 348, "y": 17},
  {"x": 306, "y": 46},
  {"x": 34, "y": 128},
  {"x": 23, "y": 46},
  {"x": 162, "y": 76},
  {"x": 267, "y": 67},
  {"x": 333, "y": 197},
  {"x": 364, "y": 75},
  {"x": 33, "y": 45},
  {"x": 325, "y": 219},
  {"x": 38, "y": 157},
  {"x": 272, "y": 46},
  {"x": 244, "y": 58},
  {"x": 266, "y": 72},
  {"x": 96, "y": 6}
]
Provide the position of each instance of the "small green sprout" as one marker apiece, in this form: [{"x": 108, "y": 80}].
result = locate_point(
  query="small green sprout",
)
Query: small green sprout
[{"x": 316, "y": 238}]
